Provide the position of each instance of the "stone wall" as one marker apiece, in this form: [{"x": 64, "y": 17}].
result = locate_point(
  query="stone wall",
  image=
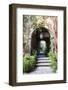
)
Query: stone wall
[{"x": 31, "y": 22}]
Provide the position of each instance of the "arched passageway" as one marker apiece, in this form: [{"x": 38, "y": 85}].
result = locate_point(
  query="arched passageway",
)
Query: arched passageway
[{"x": 40, "y": 41}]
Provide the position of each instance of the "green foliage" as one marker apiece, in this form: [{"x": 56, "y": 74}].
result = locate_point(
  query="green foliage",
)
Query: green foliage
[
  {"x": 34, "y": 53},
  {"x": 34, "y": 21},
  {"x": 29, "y": 63},
  {"x": 53, "y": 59}
]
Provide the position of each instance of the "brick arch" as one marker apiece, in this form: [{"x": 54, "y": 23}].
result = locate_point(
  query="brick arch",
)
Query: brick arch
[{"x": 35, "y": 38}]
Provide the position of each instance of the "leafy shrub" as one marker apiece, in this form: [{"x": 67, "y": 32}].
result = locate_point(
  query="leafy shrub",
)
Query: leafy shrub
[
  {"x": 29, "y": 63},
  {"x": 53, "y": 59},
  {"x": 34, "y": 53}
]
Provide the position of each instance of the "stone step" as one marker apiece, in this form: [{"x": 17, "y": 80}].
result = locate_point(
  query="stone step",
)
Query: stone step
[
  {"x": 44, "y": 61},
  {"x": 43, "y": 64},
  {"x": 41, "y": 54},
  {"x": 42, "y": 70},
  {"x": 43, "y": 58}
]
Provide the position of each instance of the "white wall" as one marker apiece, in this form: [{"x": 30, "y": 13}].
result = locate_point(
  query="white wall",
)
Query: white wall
[{"x": 4, "y": 47}]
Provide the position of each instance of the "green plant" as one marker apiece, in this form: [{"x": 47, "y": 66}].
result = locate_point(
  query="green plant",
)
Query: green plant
[
  {"x": 29, "y": 63},
  {"x": 34, "y": 52},
  {"x": 53, "y": 59}
]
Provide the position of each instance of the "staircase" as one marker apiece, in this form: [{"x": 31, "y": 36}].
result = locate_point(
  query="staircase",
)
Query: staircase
[
  {"x": 43, "y": 65},
  {"x": 43, "y": 62}
]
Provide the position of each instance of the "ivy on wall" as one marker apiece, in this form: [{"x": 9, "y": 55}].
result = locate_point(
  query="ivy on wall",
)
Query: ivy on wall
[{"x": 31, "y": 22}]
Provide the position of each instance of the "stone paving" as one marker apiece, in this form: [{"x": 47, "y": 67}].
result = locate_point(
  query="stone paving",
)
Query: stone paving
[
  {"x": 42, "y": 70},
  {"x": 42, "y": 66}
]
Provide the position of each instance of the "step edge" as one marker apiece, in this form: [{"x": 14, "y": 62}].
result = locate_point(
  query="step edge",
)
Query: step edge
[
  {"x": 43, "y": 66},
  {"x": 43, "y": 62}
]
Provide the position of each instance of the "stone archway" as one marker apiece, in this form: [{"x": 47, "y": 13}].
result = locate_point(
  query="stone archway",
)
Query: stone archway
[{"x": 38, "y": 35}]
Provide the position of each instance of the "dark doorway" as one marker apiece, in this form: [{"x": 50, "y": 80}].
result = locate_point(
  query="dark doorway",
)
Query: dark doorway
[{"x": 40, "y": 41}]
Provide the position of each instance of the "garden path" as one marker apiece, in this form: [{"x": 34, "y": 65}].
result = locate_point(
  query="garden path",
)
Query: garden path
[{"x": 43, "y": 65}]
